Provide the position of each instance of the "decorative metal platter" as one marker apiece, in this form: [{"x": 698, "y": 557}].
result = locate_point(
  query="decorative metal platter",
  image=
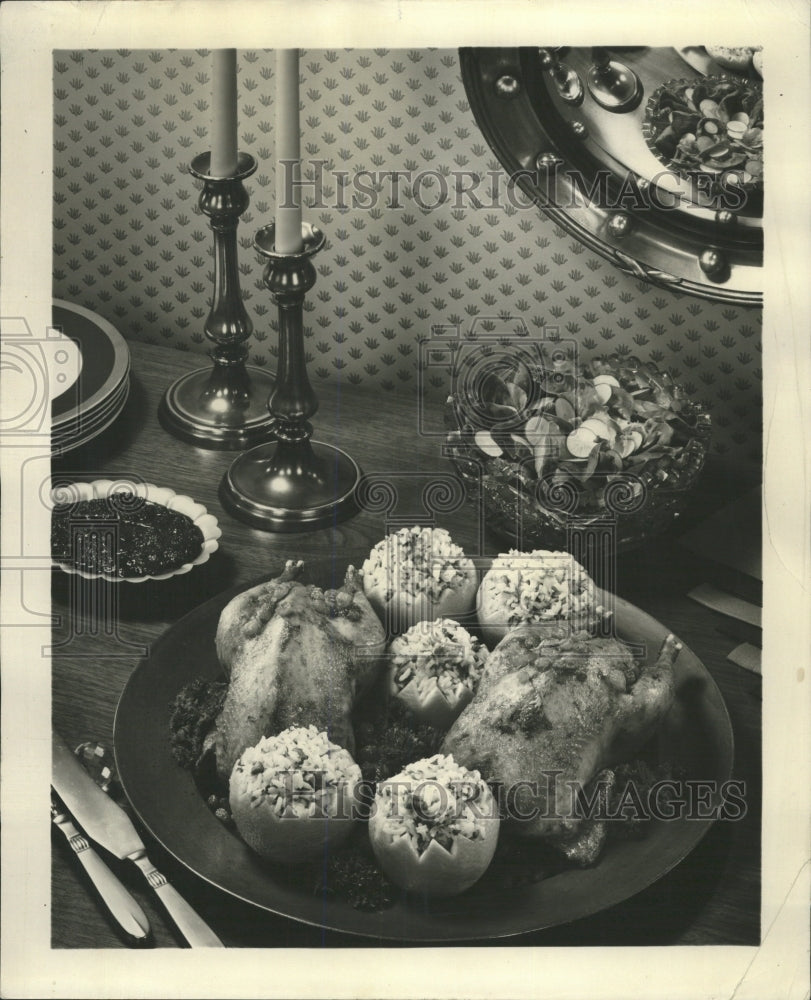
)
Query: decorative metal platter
[{"x": 589, "y": 168}]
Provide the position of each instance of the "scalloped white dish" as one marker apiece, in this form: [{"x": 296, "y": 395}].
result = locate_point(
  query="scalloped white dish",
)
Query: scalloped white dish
[{"x": 100, "y": 489}]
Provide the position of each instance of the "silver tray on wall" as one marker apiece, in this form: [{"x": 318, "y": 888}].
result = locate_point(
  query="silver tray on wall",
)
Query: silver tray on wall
[{"x": 591, "y": 171}]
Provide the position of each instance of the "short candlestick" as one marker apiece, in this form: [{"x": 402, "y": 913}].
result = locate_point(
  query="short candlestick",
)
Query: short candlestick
[{"x": 294, "y": 483}]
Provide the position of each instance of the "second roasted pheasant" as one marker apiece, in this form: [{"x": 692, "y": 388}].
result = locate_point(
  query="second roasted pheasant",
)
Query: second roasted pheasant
[{"x": 551, "y": 714}]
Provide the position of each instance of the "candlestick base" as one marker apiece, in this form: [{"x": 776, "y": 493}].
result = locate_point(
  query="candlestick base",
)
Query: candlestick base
[
  {"x": 291, "y": 486},
  {"x": 613, "y": 85},
  {"x": 202, "y": 409}
]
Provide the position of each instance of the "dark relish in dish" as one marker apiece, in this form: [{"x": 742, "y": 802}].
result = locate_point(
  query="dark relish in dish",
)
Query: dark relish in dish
[{"x": 124, "y": 536}]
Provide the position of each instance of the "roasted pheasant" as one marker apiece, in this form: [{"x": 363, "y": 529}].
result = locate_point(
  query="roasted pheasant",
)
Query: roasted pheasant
[
  {"x": 556, "y": 709},
  {"x": 295, "y": 655}
]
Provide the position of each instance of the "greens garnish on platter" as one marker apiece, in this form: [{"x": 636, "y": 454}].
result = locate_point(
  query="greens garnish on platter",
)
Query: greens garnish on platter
[
  {"x": 613, "y": 419},
  {"x": 712, "y": 125}
]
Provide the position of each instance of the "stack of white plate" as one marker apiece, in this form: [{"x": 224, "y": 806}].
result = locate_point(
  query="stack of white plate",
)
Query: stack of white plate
[{"x": 91, "y": 376}]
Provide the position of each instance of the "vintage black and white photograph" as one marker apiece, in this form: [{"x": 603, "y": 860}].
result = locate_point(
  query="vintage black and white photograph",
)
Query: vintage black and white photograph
[{"x": 398, "y": 430}]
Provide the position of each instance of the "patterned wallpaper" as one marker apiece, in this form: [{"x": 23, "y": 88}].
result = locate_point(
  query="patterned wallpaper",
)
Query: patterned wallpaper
[{"x": 131, "y": 243}]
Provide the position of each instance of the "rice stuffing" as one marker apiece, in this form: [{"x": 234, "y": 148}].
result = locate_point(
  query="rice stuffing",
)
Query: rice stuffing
[
  {"x": 540, "y": 586},
  {"x": 416, "y": 561},
  {"x": 440, "y": 654},
  {"x": 298, "y": 773},
  {"x": 435, "y": 800}
]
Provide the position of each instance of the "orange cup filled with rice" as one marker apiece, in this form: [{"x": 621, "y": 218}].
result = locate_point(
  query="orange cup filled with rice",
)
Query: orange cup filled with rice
[
  {"x": 434, "y": 669},
  {"x": 539, "y": 588},
  {"x": 294, "y": 795},
  {"x": 434, "y": 827},
  {"x": 418, "y": 574}
]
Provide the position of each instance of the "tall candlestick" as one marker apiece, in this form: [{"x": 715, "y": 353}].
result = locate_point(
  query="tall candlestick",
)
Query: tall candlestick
[
  {"x": 288, "y": 154},
  {"x": 223, "y": 406},
  {"x": 224, "y": 114}
]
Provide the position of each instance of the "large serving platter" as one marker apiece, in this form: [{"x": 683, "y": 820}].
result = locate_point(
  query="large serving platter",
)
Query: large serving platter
[
  {"x": 592, "y": 172},
  {"x": 696, "y": 736}
]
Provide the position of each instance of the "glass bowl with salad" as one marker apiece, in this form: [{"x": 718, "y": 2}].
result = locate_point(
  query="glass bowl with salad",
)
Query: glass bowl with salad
[
  {"x": 711, "y": 126},
  {"x": 554, "y": 446}
]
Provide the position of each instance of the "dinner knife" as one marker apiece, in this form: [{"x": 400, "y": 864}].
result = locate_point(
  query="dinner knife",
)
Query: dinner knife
[
  {"x": 126, "y": 910},
  {"x": 108, "y": 824}
]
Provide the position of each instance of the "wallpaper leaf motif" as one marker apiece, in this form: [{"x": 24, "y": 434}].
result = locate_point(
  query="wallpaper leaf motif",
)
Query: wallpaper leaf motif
[{"x": 411, "y": 255}]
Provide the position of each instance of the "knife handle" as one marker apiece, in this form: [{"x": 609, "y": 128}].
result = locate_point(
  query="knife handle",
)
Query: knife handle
[
  {"x": 192, "y": 926},
  {"x": 120, "y": 903}
]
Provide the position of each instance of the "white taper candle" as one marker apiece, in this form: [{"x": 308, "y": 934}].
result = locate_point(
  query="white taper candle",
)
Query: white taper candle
[
  {"x": 288, "y": 153},
  {"x": 224, "y": 114}
]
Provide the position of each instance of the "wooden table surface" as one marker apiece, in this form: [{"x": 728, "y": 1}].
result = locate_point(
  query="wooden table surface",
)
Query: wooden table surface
[{"x": 712, "y": 897}]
